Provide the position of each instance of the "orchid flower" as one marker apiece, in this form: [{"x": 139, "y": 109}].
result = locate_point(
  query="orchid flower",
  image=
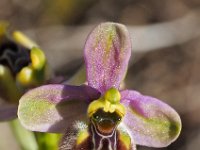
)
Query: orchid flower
[
  {"x": 101, "y": 115},
  {"x": 22, "y": 66}
]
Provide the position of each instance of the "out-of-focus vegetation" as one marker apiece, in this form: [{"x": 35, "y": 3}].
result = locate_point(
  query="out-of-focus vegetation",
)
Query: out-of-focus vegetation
[{"x": 170, "y": 73}]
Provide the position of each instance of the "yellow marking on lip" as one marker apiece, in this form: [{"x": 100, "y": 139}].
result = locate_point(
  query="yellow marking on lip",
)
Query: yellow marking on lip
[
  {"x": 125, "y": 139},
  {"x": 110, "y": 102},
  {"x": 82, "y": 135}
]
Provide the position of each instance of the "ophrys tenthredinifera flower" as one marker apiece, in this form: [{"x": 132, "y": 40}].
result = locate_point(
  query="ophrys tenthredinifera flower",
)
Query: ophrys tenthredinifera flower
[{"x": 101, "y": 115}]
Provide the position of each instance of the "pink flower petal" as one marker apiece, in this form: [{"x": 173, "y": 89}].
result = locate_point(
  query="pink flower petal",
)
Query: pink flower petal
[
  {"x": 54, "y": 107},
  {"x": 150, "y": 121},
  {"x": 107, "y": 52}
]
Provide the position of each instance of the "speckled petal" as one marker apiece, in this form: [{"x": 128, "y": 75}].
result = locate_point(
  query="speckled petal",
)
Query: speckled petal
[
  {"x": 107, "y": 52},
  {"x": 150, "y": 121},
  {"x": 54, "y": 107},
  {"x": 8, "y": 112}
]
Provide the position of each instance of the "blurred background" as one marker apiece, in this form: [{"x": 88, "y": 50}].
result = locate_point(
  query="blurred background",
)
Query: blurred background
[{"x": 165, "y": 61}]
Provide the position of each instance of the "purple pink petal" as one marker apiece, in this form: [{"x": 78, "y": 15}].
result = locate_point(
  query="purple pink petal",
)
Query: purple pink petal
[
  {"x": 53, "y": 108},
  {"x": 107, "y": 52},
  {"x": 150, "y": 121}
]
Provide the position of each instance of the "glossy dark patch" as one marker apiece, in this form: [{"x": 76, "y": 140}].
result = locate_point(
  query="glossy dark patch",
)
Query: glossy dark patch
[{"x": 105, "y": 122}]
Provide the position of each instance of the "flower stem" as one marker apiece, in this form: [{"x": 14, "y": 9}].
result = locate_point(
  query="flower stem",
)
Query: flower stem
[
  {"x": 25, "y": 138},
  {"x": 47, "y": 141}
]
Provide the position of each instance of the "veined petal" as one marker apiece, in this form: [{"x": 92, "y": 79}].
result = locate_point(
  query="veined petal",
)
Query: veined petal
[
  {"x": 150, "y": 121},
  {"x": 107, "y": 52},
  {"x": 54, "y": 107},
  {"x": 8, "y": 112}
]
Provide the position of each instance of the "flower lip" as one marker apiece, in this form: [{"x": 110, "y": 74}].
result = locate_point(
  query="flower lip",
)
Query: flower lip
[
  {"x": 14, "y": 56},
  {"x": 105, "y": 122}
]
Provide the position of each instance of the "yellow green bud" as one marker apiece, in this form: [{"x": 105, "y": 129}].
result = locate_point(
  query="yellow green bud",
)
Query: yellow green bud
[
  {"x": 37, "y": 58},
  {"x": 23, "y": 40},
  {"x": 25, "y": 76}
]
